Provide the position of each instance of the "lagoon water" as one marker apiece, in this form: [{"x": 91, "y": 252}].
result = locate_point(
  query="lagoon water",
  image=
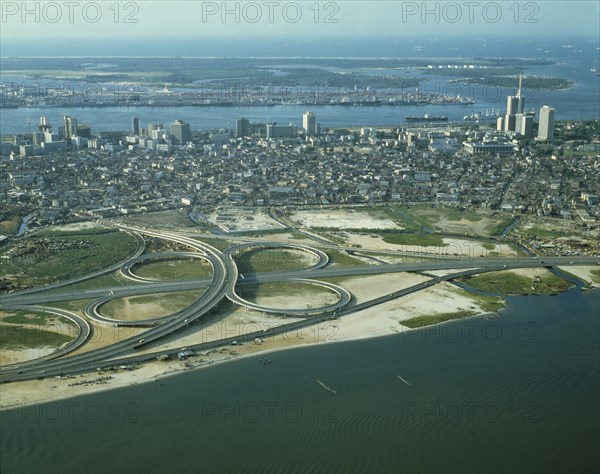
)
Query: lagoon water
[
  {"x": 574, "y": 58},
  {"x": 515, "y": 394}
]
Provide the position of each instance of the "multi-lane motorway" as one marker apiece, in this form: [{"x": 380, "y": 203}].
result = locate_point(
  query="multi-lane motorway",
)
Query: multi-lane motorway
[{"x": 225, "y": 279}]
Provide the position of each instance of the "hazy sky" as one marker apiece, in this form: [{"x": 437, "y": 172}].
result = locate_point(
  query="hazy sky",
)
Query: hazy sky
[{"x": 193, "y": 18}]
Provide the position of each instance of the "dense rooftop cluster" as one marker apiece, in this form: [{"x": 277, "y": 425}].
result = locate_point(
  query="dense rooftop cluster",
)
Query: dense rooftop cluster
[{"x": 342, "y": 167}]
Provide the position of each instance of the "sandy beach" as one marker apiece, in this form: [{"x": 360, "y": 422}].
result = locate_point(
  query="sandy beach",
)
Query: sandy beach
[
  {"x": 585, "y": 273},
  {"x": 384, "y": 319}
]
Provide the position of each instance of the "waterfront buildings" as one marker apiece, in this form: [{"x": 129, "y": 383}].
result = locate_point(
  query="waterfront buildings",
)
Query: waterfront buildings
[
  {"x": 309, "y": 124},
  {"x": 546, "y": 126},
  {"x": 180, "y": 132}
]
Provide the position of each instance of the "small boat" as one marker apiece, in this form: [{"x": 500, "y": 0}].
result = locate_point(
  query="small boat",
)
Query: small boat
[
  {"x": 426, "y": 118},
  {"x": 326, "y": 387},
  {"x": 404, "y": 380}
]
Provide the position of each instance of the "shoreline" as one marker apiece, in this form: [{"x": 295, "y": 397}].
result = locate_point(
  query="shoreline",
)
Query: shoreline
[
  {"x": 126, "y": 379},
  {"x": 384, "y": 320}
]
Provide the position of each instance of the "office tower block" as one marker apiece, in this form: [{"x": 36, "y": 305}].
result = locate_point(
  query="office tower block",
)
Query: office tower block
[
  {"x": 70, "y": 127},
  {"x": 309, "y": 124},
  {"x": 546, "y": 125},
  {"x": 135, "y": 125},
  {"x": 242, "y": 127},
  {"x": 180, "y": 132}
]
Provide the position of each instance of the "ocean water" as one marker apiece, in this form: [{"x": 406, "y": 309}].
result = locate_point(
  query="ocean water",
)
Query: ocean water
[{"x": 515, "y": 394}]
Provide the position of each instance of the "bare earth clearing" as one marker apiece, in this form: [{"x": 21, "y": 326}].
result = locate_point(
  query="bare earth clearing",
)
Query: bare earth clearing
[{"x": 342, "y": 219}]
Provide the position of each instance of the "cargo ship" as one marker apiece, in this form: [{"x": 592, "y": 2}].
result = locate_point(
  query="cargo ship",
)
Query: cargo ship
[{"x": 426, "y": 118}]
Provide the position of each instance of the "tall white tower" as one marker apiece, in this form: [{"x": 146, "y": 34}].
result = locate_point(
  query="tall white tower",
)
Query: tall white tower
[
  {"x": 309, "y": 123},
  {"x": 520, "y": 98},
  {"x": 546, "y": 126}
]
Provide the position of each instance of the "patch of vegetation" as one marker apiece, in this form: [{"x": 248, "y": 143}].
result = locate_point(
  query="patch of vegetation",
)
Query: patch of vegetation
[
  {"x": 163, "y": 304},
  {"x": 219, "y": 244},
  {"x": 325, "y": 232},
  {"x": 343, "y": 259},
  {"x": 421, "y": 321},
  {"x": 25, "y": 317},
  {"x": 11, "y": 217},
  {"x": 453, "y": 214},
  {"x": 489, "y": 303},
  {"x": 423, "y": 240},
  {"x": 402, "y": 218},
  {"x": 268, "y": 260},
  {"x": 595, "y": 276},
  {"x": 430, "y": 215},
  {"x": 176, "y": 269},
  {"x": 298, "y": 236},
  {"x": 76, "y": 306},
  {"x": 156, "y": 245},
  {"x": 546, "y": 233},
  {"x": 19, "y": 337},
  {"x": 488, "y": 246},
  {"x": 260, "y": 233},
  {"x": 34, "y": 317},
  {"x": 498, "y": 228},
  {"x": 51, "y": 256},
  {"x": 9, "y": 227},
  {"x": 102, "y": 281},
  {"x": 255, "y": 292},
  {"x": 161, "y": 219},
  {"x": 510, "y": 283}
]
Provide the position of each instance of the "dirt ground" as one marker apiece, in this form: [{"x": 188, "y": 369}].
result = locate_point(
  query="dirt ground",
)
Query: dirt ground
[{"x": 342, "y": 219}]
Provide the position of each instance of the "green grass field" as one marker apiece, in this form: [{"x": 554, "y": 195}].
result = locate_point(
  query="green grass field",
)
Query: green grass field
[
  {"x": 33, "y": 317},
  {"x": 103, "y": 281},
  {"x": 19, "y": 337},
  {"x": 255, "y": 292},
  {"x": 9, "y": 227},
  {"x": 545, "y": 233},
  {"x": 489, "y": 303},
  {"x": 268, "y": 260},
  {"x": 496, "y": 229},
  {"x": 421, "y": 321},
  {"x": 343, "y": 259},
  {"x": 49, "y": 257},
  {"x": 422, "y": 240},
  {"x": 77, "y": 306},
  {"x": 180, "y": 269},
  {"x": 510, "y": 283},
  {"x": 149, "y": 306}
]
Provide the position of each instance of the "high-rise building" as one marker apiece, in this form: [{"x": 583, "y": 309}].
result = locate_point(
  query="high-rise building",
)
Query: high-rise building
[
  {"x": 512, "y": 105},
  {"x": 515, "y": 104},
  {"x": 70, "y": 127},
  {"x": 84, "y": 131},
  {"x": 527, "y": 126},
  {"x": 242, "y": 127},
  {"x": 520, "y": 98},
  {"x": 309, "y": 124},
  {"x": 500, "y": 124},
  {"x": 44, "y": 125},
  {"x": 546, "y": 125},
  {"x": 152, "y": 127},
  {"x": 524, "y": 124},
  {"x": 180, "y": 132},
  {"x": 135, "y": 125},
  {"x": 281, "y": 131}
]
